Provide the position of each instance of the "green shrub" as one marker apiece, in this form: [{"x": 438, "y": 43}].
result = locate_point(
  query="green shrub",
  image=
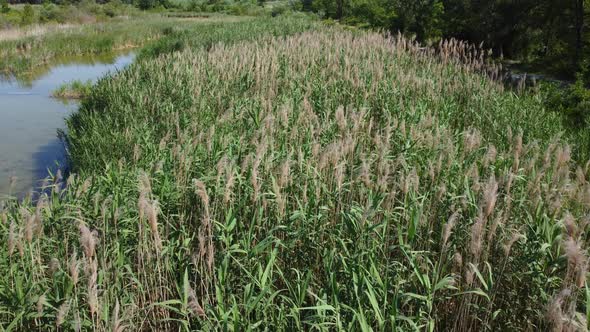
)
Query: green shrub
[
  {"x": 90, "y": 6},
  {"x": 28, "y": 15},
  {"x": 146, "y": 4},
  {"x": 573, "y": 103},
  {"x": 11, "y": 18},
  {"x": 50, "y": 12},
  {"x": 279, "y": 10},
  {"x": 4, "y": 6},
  {"x": 110, "y": 9},
  {"x": 73, "y": 90}
]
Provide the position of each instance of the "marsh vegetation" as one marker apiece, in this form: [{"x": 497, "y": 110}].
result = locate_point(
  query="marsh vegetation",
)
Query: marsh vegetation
[{"x": 279, "y": 173}]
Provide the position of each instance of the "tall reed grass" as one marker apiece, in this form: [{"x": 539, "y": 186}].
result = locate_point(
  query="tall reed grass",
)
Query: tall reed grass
[
  {"x": 329, "y": 180},
  {"x": 23, "y": 52}
]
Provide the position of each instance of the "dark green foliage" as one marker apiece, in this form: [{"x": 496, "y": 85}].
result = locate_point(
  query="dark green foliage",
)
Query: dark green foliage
[
  {"x": 112, "y": 8},
  {"x": 4, "y": 6},
  {"x": 546, "y": 33},
  {"x": 422, "y": 17},
  {"x": 146, "y": 4},
  {"x": 28, "y": 15},
  {"x": 374, "y": 13},
  {"x": 174, "y": 42},
  {"x": 50, "y": 12},
  {"x": 573, "y": 102}
]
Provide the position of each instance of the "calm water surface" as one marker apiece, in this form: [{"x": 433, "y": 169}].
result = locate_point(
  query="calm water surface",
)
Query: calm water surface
[{"x": 30, "y": 118}]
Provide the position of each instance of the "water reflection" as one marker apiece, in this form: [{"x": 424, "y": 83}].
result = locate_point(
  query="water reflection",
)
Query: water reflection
[{"x": 30, "y": 118}]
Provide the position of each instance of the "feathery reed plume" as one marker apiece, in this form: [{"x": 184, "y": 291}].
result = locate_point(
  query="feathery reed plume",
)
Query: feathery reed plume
[
  {"x": 29, "y": 224},
  {"x": 411, "y": 182},
  {"x": 84, "y": 187},
  {"x": 469, "y": 274},
  {"x": 143, "y": 205},
  {"x": 136, "y": 153},
  {"x": 88, "y": 240},
  {"x": 555, "y": 314},
  {"x": 193, "y": 304},
  {"x": 490, "y": 156},
  {"x": 152, "y": 211},
  {"x": 365, "y": 173},
  {"x": 145, "y": 185},
  {"x": 513, "y": 239},
  {"x": 149, "y": 209},
  {"x": 570, "y": 225},
  {"x": 471, "y": 140},
  {"x": 498, "y": 220},
  {"x": 577, "y": 262},
  {"x": 229, "y": 183},
  {"x": 490, "y": 194},
  {"x": 58, "y": 176},
  {"x": 221, "y": 167},
  {"x": 205, "y": 234},
  {"x": 509, "y": 180},
  {"x": 210, "y": 251},
  {"x": 91, "y": 271},
  {"x": 70, "y": 180},
  {"x": 448, "y": 228},
  {"x": 92, "y": 299},
  {"x": 580, "y": 175},
  {"x": 517, "y": 150},
  {"x": 201, "y": 191},
  {"x": 457, "y": 261},
  {"x": 37, "y": 217},
  {"x": 77, "y": 324},
  {"x": 62, "y": 313},
  {"x": 477, "y": 232},
  {"x": 563, "y": 155},
  {"x": 12, "y": 238},
  {"x": 340, "y": 118},
  {"x": 116, "y": 322},
  {"x": 285, "y": 173},
  {"x": 73, "y": 265},
  {"x": 53, "y": 266},
  {"x": 40, "y": 304},
  {"x": 339, "y": 175}
]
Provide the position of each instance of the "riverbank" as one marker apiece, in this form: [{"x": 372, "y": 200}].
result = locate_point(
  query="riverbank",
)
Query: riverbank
[{"x": 21, "y": 57}]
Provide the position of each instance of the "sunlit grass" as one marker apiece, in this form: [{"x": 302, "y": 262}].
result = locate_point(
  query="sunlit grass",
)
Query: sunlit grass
[
  {"x": 36, "y": 48},
  {"x": 73, "y": 90}
]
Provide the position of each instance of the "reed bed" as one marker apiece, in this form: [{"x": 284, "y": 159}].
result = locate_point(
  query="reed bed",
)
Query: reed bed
[
  {"x": 32, "y": 31},
  {"x": 329, "y": 180},
  {"x": 23, "y": 52}
]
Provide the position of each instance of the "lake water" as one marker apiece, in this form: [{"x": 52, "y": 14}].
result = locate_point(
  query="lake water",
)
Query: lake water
[{"x": 30, "y": 119}]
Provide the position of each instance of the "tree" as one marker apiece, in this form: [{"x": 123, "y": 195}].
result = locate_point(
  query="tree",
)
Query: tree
[
  {"x": 27, "y": 15},
  {"x": 548, "y": 33},
  {"x": 4, "y": 6},
  {"x": 579, "y": 27},
  {"x": 146, "y": 4}
]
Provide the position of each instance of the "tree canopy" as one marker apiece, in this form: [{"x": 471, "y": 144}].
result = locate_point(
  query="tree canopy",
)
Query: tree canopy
[{"x": 548, "y": 32}]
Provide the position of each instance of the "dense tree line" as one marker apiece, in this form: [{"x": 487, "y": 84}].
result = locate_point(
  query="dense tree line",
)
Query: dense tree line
[{"x": 540, "y": 31}]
